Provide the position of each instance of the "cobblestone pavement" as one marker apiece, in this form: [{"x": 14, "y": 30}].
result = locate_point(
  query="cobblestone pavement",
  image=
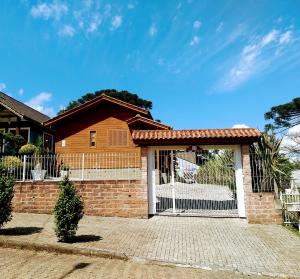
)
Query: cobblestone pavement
[
  {"x": 24, "y": 264},
  {"x": 219, "y": 244}
]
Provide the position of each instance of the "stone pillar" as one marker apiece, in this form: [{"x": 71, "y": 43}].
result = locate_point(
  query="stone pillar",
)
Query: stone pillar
[{"x": 260, "y": 207}]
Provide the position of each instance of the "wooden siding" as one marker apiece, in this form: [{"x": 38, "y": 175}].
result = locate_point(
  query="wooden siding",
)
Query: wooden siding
[{"x": 76, "y": 132}]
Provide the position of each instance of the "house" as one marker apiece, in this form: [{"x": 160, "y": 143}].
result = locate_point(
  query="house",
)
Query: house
[
  {"x": 126, "y": 164},
  {"x": 18, "y": 118},
  {"x": 104, "y": 124}
]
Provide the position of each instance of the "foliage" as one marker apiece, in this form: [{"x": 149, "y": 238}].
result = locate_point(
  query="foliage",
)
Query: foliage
[
  {"x": 68, "y": 211},
  {"x": 6, "y": 196},
  {"x": 10, "y": 163},
  {"x": 218, "y": 169},
  {"x": 12, "y": 142},
  {"x": 39, "y": 144},
  {"x": 123, "y": 95},
  {"x": 270, "y": 167},
  {"x": 28, "y": 149},
  {"x": 286, "y": 115}
]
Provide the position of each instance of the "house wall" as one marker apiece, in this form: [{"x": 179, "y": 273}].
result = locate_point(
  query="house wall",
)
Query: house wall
[
  {"x": 260, "y": 207},
  {"x": 76, "y": 132}
]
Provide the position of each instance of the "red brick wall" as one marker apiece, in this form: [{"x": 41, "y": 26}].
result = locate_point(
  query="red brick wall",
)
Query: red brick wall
[
  {"x": 260, "y": 207},
  {"x": 101, "y": 198}
]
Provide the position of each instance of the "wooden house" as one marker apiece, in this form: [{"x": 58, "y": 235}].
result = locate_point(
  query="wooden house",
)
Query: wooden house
[{"x": 18, "y": 118}]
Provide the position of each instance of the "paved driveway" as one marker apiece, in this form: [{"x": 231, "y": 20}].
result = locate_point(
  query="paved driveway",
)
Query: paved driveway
[{"x": 219, "y": 244}]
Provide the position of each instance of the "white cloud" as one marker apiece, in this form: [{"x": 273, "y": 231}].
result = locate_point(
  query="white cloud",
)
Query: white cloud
[
  {"x": 152, "y": 30},
  {"x": 269, "y": 38},
  {"x": 94, "y": 23},
  {"x": 52, "y": 10},
  {"x": 67, "y": 31},
  {"x": 21, "y": 92},
  {"x": 197, "y": 24},
  {"x": 116, "y": 22},
  {"x": 290, "y": 143},
  {"x": 286, "y": 37},
  {"x": 253, "y": 58},
  {"x": 220, "y": 26},
  {"x": 240, "y": 126},
  {"x": 2, "y": 86},
  {"x": 38, "y": 103},
  {"x": 195, "y": 41}
]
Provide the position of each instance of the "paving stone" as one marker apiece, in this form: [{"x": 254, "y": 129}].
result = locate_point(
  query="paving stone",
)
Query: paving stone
[{"x": 217, "y": 243}]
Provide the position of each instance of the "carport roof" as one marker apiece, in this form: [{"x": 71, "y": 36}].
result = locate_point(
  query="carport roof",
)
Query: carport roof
[{"x": 219, "y": 136}]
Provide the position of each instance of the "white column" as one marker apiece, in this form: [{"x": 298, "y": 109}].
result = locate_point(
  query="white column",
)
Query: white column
[
  {"x": 151, "y": 181},
  {"x": 173, "y": 182},
  {"x": 239, "y": 182}
]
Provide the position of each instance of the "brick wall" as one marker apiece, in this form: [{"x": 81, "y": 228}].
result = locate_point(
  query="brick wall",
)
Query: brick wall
[
  {"x": 101, "y": 198},
  {"x": 122, "y": 198},
  {"x": 260, "y": 207}
]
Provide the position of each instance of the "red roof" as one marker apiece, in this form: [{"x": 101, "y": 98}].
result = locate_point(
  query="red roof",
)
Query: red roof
[{"x": 204, "y": 134}]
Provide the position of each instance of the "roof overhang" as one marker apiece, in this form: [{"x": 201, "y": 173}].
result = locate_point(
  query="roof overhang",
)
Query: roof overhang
[
  {"x": 90, "y": 104},
  {"x": 150, "y": 122},
  {"x": 196, "y": 137}
]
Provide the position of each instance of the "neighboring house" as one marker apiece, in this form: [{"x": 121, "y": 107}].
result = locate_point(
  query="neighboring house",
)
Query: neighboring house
[
  {"x": 104, "y": 124},
  {"x": 18, "y": 118}
]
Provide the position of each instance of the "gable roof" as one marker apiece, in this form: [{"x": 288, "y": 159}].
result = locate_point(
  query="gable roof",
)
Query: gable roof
[
  {"x": 100, "y": 99},
  {"x": 203, "y": 135},
  {"x": 22, "y": 110},
  {"x": 140, "y": 119}
]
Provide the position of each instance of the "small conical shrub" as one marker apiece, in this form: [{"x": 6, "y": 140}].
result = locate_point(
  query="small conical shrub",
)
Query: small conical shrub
[
  {"x": 68, "y": 211},
  {"x": 6, "y": 195}
]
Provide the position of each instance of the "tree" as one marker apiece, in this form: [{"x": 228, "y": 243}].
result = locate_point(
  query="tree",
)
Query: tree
[
  {"x": 123, "y": 95},
  {"x": 270, "y": 168},
  {"x": 284, "y": 116},
  {"x": 6, "y": 195},
  {"x": 68, "y": 211}
]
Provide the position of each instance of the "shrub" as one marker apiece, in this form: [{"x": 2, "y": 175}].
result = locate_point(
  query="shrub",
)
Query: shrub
[
  {"x": 68, "y": 211},
  {"x": 10, "y": 163},
  {"x": 6, "y": 195},
  {"x": 65, "y": 168},
  {"x": 27, "y": 149}
]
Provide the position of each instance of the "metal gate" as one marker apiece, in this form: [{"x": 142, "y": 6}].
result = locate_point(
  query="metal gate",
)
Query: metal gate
[{"x": 197, "y": 182}]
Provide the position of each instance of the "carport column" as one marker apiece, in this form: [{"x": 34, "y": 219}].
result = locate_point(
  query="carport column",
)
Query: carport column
[
  {"x": 247, "y": 180},
  {"x": 239, "y": 182},
  {"x": 151, "y": 181}
]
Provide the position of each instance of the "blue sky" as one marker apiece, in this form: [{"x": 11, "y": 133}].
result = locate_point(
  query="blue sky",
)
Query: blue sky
[{"x": 204, "y": 64}]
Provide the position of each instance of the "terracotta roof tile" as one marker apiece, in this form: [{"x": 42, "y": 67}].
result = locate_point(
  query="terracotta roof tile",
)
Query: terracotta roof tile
[{"x": 196, "y": 134}]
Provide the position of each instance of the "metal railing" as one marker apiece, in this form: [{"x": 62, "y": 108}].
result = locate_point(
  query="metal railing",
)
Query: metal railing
[
  {"x": 84, "y": 166},
  {"x": 291, "y": 208}
]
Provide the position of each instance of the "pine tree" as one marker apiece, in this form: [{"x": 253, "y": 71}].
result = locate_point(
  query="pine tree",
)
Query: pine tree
[{"x": 68, "y": 211}]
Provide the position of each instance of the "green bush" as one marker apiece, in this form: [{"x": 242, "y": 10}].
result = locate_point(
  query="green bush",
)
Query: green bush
[
  {"x": 27, "y": 149},
  {"x": 10, "y": 163},
  {"x": 6, "y": 196},
  {"x": 68, "y": 211}
]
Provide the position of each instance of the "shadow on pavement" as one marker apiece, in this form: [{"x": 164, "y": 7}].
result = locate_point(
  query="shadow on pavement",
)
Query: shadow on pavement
[
  {"x": 86, "y": 238},
  {"x": 20, "y": 231}
]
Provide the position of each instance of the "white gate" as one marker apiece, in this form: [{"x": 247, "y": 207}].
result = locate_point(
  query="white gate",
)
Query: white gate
[{"x": 195, "y": 181}]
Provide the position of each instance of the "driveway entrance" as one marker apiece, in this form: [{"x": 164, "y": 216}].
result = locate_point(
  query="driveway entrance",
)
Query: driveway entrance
[{"x": 195, "y": 181}]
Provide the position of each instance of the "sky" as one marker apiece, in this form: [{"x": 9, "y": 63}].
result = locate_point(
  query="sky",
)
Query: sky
[{"x": 203, "y": 64}]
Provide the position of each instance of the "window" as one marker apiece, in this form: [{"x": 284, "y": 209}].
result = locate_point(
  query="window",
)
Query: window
[
  {"x": 92, "y": 138},
  {"x": 117, "y": 137},
  {"x": 48, "y": 142},
  {"x": 24, "y": 132}
]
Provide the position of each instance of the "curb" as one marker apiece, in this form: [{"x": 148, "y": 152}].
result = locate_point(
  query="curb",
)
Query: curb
[
  {"x": 62, "y": 250},
  {"x": 101, "y": 253}
]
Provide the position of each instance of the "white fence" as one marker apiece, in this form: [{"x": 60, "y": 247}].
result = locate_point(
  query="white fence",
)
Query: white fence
[{"x": 85, "y": 166}]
